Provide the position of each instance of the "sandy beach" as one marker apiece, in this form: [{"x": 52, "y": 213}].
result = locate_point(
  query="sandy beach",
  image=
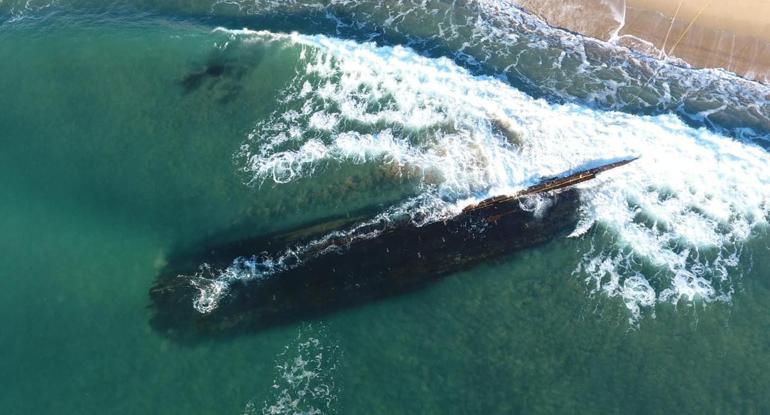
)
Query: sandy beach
[{"x": 734, "y": 35}]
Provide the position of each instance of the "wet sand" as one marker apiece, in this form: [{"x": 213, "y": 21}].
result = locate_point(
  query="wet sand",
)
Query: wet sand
[{"x": 733, "y": 35}]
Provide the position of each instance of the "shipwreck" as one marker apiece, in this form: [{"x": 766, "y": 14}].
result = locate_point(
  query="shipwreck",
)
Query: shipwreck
[{"x": 259, "y": 282}]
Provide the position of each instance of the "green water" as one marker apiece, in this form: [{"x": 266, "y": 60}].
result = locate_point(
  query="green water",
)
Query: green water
[{"x": 108, "y": 164}]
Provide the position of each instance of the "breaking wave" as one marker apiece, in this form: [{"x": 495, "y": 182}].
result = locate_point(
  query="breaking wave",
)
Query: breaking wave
[
  {"x": 497, "y": 38},
  {"x": 666, "y": 228},
  {"x": 492, "y": 37}
]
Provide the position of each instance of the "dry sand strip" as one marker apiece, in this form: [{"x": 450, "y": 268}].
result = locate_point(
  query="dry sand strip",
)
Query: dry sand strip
[{"x": 729, "y": 34}]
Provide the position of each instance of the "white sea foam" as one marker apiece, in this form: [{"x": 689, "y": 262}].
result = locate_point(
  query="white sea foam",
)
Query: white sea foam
[
  {"x": 682, "y": 210},
  {"x": 497, "y": 37},
  {"x": 214, "y": 284},
  {"x": 305, "y": 381},
  {"x": 21, "y": 9}
]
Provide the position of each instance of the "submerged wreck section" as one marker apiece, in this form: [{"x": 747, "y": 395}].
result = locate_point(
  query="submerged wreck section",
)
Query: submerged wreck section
[{"x": 336, "y": 268}]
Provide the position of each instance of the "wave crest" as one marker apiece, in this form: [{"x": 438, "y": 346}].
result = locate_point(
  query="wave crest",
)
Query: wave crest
[{"x": 673, "y": 222}]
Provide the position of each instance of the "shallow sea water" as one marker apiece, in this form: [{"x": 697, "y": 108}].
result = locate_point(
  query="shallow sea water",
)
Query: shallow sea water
[{"x": 117, "y": 148}]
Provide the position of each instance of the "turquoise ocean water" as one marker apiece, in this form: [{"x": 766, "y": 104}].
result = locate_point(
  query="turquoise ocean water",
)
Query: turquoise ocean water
[{"x": 134, "y": 129}]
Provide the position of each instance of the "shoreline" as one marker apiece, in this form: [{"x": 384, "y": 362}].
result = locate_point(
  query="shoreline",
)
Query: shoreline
[{"x": 702, "y": 33}]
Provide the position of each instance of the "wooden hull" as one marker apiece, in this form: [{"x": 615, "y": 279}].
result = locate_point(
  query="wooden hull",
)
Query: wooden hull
[{"x": 343, "y": 272}]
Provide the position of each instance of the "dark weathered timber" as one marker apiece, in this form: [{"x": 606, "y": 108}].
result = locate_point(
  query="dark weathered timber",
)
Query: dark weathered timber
[{"x": 404, "y": 257}]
